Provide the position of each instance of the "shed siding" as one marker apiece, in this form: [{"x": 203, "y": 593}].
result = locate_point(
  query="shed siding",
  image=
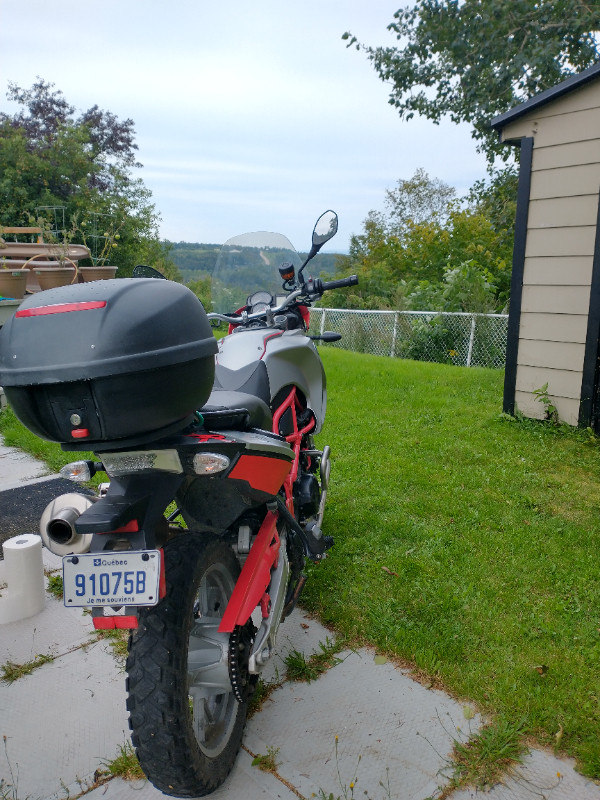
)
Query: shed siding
[
  {"x": 530, "y": 406},
  {"x": 566, "y": 155},
  {"x": 560, "y": 382},
  {"x": 560, "y": 245},
  {"x": 563, "y": 241},
  {"x": 552, "y": 354},
  {"x": 554, "y": 328},
  {"x": 561, "y": 212},
  {"x": 572, "y": 181},
  {"x": 559, "y": 270},
  {"x": 556, "y": 299}
]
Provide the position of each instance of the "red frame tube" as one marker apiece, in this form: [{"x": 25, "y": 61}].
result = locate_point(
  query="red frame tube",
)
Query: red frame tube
[{"x": 295, "y": 439}]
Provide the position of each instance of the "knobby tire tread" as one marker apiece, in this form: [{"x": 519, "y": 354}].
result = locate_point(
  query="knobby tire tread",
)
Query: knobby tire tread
[{"x": 157, "y": 702}]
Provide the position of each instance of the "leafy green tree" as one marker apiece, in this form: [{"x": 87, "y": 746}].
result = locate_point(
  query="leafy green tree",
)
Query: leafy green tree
[
  {"x": 50, "y": 157},
  {"x": 474, "y": 59},
  {"x": 201, "y": 287},
  {"x": 427, "y": 264},
  {"x": 417, "y": 200}
]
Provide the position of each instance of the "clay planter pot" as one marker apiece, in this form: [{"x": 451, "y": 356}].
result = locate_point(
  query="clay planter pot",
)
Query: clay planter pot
[
  {"x": 51, "y": 277},
  {"x": 97, "y": 273},
  {"x": 13, "y": 283}
]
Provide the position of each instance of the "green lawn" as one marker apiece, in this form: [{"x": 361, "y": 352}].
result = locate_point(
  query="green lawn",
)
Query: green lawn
[{"x": 466, "y": 542}]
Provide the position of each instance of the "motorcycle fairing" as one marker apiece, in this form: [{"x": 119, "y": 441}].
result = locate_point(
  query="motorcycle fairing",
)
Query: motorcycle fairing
[
  {"x": 262, "y": 473},
  {"x": 290, "y": 359}
]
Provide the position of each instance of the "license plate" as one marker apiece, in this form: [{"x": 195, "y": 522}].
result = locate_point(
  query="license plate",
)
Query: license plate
[{"x": 112, "y": 579}]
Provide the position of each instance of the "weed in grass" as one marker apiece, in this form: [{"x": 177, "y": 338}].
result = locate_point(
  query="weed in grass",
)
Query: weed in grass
[
  {"x": 299, "y": 668},
  {"x": 118, "y": 639},
  {"x": 55, "y": 586},
  {"x": 485, "y": 757},
  {"x": 268, "y": 762},
  {"x": 550, "y": 410},
  {"x": 260, "y": 695},
  {"x": 9, "y": 791},
  {"x": 125, "y": 765},
  {"x": 12, "y": 672}
]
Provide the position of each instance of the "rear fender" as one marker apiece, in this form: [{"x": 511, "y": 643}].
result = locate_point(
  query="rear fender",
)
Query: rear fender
[
  {"x": 134, "y": 505},
  {"x": 255, "y": 575}
]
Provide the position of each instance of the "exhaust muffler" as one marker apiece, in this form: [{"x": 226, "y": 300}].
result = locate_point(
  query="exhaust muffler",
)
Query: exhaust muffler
[{"x": 57, "y": 525}]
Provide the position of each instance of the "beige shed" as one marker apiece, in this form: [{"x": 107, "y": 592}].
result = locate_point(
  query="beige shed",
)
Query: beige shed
[{"x": 554, "y": 318}]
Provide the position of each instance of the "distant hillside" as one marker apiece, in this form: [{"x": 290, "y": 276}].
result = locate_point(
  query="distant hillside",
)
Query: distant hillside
[{"x": 196, "y": 260}]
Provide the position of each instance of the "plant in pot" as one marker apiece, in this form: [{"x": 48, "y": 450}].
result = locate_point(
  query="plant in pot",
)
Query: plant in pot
[
  {"x": 56, "y": 268},
  {"x": 101, "y": 247},
  {"x": 13, "y": 280}
]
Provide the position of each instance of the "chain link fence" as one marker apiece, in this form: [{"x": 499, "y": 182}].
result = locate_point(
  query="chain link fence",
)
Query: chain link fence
[{"x": 466, "y": 340}]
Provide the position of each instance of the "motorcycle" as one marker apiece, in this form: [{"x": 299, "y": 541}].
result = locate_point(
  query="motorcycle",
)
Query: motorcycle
[{"x": 217, "y": 490}]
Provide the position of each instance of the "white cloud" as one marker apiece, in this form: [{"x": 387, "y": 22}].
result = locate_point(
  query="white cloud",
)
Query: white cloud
[{"x": 247, "y": 115}]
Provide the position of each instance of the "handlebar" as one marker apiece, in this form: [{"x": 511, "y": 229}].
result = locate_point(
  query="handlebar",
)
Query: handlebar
[
  {"x": 325, "y": 286},
  {"x": 315, "y": 287}
]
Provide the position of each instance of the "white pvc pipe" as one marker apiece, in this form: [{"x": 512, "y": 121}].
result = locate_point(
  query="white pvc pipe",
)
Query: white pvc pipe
[{"x": 22, "y": 586}]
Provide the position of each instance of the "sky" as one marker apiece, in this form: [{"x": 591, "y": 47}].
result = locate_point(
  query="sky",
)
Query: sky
[{"x": 249, "y": 115}]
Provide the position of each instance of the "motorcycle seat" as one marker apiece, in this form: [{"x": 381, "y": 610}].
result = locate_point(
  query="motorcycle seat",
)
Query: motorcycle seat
[{"x": 236, "y": 410}]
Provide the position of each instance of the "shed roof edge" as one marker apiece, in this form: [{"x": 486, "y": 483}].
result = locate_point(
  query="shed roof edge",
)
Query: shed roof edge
[{"x": 542, "y": 99}]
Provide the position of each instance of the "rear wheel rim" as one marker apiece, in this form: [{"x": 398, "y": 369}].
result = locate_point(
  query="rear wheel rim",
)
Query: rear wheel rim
[{"x": 213, "y": 705}]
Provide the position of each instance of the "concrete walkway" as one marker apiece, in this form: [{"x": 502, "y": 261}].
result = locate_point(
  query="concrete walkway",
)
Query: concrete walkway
[{"x": 60, "y": 724}]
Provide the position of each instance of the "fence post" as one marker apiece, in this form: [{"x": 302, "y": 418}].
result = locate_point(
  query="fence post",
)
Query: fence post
[
  {"x": 394, "y": 334},
  {"x": 323, "y": 321},
  {"x": 471, "y": 340}
]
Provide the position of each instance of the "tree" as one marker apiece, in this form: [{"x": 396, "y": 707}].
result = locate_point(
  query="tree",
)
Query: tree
[
  {"x": 52, "y": 158},
  {"x": 45, "y": 114},
  {"x": 428, "y": 263},
  {"x": 418, "y": 199},
  {"x": 474, "y": 59}
]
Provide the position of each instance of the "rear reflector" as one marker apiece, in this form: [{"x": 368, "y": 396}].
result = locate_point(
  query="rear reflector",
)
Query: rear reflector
[
  {"x": 60, "y": 308},
  {"x": 110, "y": 623}
]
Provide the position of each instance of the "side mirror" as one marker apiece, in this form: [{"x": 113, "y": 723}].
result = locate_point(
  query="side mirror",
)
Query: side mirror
[
  {"x": 325, "y": 228},
  {"x": 144, "y": 271}
]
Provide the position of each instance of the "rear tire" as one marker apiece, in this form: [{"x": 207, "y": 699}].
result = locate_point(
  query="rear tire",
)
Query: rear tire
[{"x": 186, "y": 723}]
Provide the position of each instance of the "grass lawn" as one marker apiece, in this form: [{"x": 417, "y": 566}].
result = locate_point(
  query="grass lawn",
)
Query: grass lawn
[{"x": 466, "y": 542}]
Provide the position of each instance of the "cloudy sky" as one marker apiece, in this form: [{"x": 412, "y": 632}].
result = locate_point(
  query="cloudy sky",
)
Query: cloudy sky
[{"x": 249, "y": 114}]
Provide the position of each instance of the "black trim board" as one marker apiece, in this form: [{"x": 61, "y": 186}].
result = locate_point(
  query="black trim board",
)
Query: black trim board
[
  {"x": 516, "y": 283},
  {"x": 588, "y": 411}
]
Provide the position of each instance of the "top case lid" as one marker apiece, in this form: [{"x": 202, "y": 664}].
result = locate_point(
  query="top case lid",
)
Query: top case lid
[{"x": 102, "y": 328}]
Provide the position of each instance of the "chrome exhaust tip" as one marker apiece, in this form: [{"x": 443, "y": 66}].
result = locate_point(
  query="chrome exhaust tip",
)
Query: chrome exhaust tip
[{"x": 57, "y": 525}]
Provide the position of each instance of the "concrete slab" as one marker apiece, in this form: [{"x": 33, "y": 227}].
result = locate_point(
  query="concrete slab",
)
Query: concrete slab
[
  {"x": 245, "y": 782},
  {"x": 54, "y": 631},
  {"x": 68, "y": 717},
  {"x": 540, "y": 777},
  {"x": 61, "y": 722},
  {"x": 392, "y": 732},
  {"x": 17, "y": 467}
]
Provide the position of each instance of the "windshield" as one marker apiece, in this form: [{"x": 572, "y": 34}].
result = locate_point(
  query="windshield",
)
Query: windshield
[{"x": 247, "y": 264}]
